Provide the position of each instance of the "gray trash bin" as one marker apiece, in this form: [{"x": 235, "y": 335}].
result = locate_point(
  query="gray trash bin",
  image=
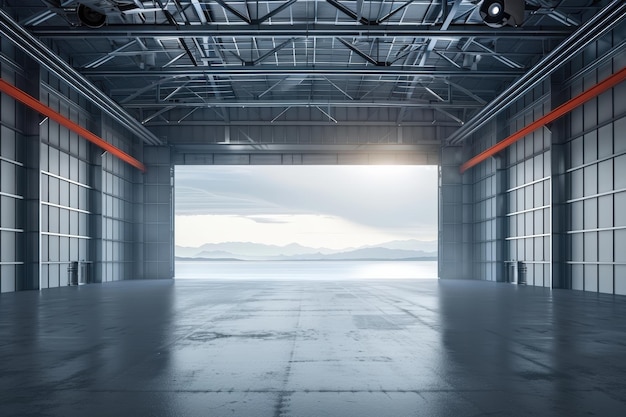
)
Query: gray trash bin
[
  {"x": 522, "y": 269},
  {"x": 72, "y": 274}
]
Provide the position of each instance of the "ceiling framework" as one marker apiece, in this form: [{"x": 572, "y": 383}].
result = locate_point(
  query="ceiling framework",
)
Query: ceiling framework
[{"x": 177, "y": 63}]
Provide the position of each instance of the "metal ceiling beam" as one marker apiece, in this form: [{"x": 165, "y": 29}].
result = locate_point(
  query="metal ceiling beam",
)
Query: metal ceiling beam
[
  {"x": 358, "y": 17},
  {"x": 299, "y": 123},
  {"x": 157, "y": 113},
  {"x": 109, "y": 56},
  {"x": 297, "y": 30},
  {"x": 394, "y": 11},
  {"x": 269, "y": 53},
  {"x": 274, "y": 12},
  {"x": 255, "y": 71},
  {"x": 339, "y": 88},
  {"x": 448, "y": 17},
  {"x": 199, "y": 11},
  {"x": 362, "y": 54},
  {"x": 49, "y": 60},
  {"x": 466, "y": 91},
  {"x": 431, "y": 145},
  {"x": 303, "y": 103},
  {"x": 234, "y": 11},
  {"x": 147, "y": 88},
  {"x": 499, "y": 57}
]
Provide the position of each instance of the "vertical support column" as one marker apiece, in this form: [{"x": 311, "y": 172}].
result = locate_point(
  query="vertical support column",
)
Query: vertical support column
[
  {"x": 31, "y": 184},
  {"x": 559, "y": 215},
  {"x": 95, "y": 218},
  {"x": 559, "y": 239},
  {"x": 158, "y": 212},
  {"x": 453, "y": 217},
  {"x": 32, "y": 215},
  {"x": 502, "y": 223}
]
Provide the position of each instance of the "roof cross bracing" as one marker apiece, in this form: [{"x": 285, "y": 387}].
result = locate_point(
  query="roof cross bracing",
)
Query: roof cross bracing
[{"x": 172, "y": 62}]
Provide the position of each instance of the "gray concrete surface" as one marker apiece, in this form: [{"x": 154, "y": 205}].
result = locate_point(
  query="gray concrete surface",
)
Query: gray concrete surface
[{"x": 323, "y": 348}]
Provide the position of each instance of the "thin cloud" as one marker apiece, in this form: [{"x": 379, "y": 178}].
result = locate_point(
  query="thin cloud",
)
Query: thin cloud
[
  {"x": 399, "y": 200},
  {"x": 269, "y": 220}
]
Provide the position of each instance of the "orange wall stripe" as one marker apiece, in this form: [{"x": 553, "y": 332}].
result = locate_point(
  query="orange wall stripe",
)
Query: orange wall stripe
[
  {"x": 38, "y": 106},
  {"x": 563, "y": 109}
]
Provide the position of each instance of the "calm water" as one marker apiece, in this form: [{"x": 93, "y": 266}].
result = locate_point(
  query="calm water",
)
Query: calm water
[{"x": 315, "y": 270}]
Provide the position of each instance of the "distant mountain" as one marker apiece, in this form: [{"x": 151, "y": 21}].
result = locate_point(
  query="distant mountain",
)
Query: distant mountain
[
  {"x": 411, "y": 244},
  {"x": 379, "y": 253},
  {"x": 407, "y": 249},
  {"x": 247, "y": 249}
]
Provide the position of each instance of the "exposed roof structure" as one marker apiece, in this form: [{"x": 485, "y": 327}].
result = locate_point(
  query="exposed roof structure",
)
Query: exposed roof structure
[{"x": 307, "y": 62}]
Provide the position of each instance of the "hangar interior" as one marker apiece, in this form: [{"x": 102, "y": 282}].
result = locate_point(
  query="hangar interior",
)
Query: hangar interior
[
  {"x": 314, "y": 82},
  {"x": 524, "y": 116}
]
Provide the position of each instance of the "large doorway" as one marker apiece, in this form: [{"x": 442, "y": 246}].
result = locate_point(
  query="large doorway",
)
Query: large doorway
[{"x": 306, "y": 222}]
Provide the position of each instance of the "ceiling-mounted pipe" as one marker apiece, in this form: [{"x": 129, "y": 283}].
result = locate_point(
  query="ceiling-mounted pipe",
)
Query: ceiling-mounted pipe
[
  {"x": 598, "y": 25},
  {"x": 46, "y": 58},
  {"x": 38, "y": 106},
  {"x": 560, "y": 111}
]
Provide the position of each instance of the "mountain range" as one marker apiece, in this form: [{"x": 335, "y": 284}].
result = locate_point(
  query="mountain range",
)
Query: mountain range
[{"x": 248, "y": 251}]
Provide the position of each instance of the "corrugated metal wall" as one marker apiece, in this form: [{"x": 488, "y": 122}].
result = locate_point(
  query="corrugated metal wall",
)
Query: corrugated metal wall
[
  {"x": 12, "y": 175},
  {"x": 158, "y": 214},
  {"x": 62, "y": 199},
  {"x": 65, "y": 184},
  {"x": 594, "y": 148},
  {"x": 528, "y": 191},
  {"x": 119, "y": 186},
  {"x": 455, "y": 216},
  {"x": 556, "y": 200}
]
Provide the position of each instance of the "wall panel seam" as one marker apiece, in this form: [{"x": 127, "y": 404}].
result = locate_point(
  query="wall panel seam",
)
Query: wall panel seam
[
  {"x": 66, "y": 235},
  {"x": 59, "y": 177},
  {"x": 68, "y": 208},
  {"x": 15, "y": 196},
  {"x": 589, "y": 197},
  {"x": 528, "y": 184},
  {"x": 597, "y": 229},
  {"x": 10, "y": 229},
  {"x": 527, "y": 236}
]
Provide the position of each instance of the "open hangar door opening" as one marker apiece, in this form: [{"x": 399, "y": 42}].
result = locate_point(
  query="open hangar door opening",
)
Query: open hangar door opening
[
  {"x": 306, "y": 221},
  {"x": 168, "y": 87}
]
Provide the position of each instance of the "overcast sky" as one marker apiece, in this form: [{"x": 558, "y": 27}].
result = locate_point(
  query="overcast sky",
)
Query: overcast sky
[{"x": 319, "y": 206}]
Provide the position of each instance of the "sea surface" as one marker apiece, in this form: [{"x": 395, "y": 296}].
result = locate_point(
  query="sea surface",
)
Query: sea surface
[{"x": 305, "y": 270}]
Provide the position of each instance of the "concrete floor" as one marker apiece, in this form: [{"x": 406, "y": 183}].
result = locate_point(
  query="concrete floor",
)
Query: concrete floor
[{"x": 324, "y": 348}]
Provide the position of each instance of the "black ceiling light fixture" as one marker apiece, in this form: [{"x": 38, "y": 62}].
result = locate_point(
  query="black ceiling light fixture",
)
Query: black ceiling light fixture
[
  {"x": 90, "y": 17},
  {"x": 498, "y": 13}
]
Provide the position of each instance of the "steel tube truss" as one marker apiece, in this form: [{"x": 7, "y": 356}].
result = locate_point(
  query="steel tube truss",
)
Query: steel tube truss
[
  {"x": 40, "y": 53},
  {"x": 299, "y": 30},
  {"x": 242, "y": 71},
  {"x": 601, "y": 23}
]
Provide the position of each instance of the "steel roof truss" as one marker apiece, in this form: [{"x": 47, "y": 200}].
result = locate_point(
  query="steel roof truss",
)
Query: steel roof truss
[
  {"x": 199, "y": 11},
  {"x": 499, "y": 57},
  {"x": 363, "y": 55},
  {"x": 187, "y": 114},
  {"x": 109, "y": 56},
  {"x": 450, "y": 115},
  {"x": 234, "y": 11},
  {"x": 339, "y": 89},
  {"x": 256, "y": 21}
]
